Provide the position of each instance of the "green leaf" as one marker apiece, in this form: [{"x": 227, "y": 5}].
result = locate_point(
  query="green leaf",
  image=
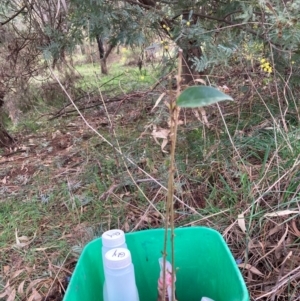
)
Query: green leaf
[{"x": 200, "y": 96}]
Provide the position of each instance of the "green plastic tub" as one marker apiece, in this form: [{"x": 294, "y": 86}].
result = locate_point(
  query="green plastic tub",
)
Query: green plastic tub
[{"x": 205, "y": 267}]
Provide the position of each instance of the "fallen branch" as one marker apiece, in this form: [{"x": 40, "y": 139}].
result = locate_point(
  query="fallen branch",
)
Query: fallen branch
[
  {"x": 62, "y": 110},
  {"x": 99, "y": 103}
]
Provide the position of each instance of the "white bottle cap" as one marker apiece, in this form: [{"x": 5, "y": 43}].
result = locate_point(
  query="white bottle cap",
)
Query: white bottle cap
[
  {"x": 118, "y": 258},
  {"x": 206, "y": 299},
  {"x": 113, "y": 238}
]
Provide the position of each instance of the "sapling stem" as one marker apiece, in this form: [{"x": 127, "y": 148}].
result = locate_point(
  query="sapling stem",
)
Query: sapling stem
[{"x": 174, "y": 113}]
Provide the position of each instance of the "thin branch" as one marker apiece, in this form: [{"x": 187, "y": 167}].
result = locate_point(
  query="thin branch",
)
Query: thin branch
[
  {"x": 109, "y": 50},
  {"x": 140, "y": 4},
  {"x": 13, "y": 16}
]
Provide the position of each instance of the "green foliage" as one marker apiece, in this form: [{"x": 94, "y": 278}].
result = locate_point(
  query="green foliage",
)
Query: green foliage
[
  {"x": 191, "y": 25},
  {"x": 200, "y": 96},
  {"x": 119, "y": 22}
]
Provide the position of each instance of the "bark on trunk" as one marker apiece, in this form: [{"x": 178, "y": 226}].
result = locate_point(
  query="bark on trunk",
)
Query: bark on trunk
[
  {"x": 5, "y": 139},
  {"x": 190, "y": 49},
  {"x": 189, "y": 74},
  {"x": 103, "y": 54},
  {"x": 103, "y": 65},
  {"x": 100, "y": 47}
]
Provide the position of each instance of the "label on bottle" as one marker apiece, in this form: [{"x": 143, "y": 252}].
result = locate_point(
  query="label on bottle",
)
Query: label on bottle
[
  {"x": 113, "y": 239},
  {"x": 113, "y": 233},
  {"x": 117, "y": 258},
  {"x": 117, "y": 253}
]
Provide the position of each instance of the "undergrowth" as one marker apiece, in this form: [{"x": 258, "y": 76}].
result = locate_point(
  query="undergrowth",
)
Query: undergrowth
[{"x": 63, "y": 185}]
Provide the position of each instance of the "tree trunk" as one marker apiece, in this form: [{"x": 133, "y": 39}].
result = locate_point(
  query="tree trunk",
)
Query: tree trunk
[
  {"x": 189, "y": 74},
  {"x": 5, "y": 139},
  {"x": 100, "y": 47},
  {"x": 103, "y": 54},
  {"x": 103, "y": 65},
  {"x": 190, "y": 49}
]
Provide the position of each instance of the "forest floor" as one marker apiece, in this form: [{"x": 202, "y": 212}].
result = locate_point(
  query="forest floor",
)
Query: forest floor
[{"x": 69, "y": 178}]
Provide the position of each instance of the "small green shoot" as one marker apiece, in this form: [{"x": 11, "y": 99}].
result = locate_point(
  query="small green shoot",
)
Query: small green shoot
[{"x": 192, "y": 97}]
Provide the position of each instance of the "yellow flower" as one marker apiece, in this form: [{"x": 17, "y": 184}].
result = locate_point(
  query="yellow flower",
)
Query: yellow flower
[
  {"x": 293, "y": 62},
  {"x": 188, "y": 23},
  {"x": 265, "y": 66},
  {"x": 142, "y": 77},
  {"x": 164, "y": 26},
  {"x": 168, "y": 28},
  {"x": 166, "y": 47}
]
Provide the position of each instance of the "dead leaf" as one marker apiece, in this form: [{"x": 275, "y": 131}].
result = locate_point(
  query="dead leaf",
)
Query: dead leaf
[
  {"x": 35, "y": 296},
  {"x": 224, "y": 89},
  {"x": 3, "y": 294},
  {"x": 21, "y": 288},
  {"x": 45, "y": 248},
  {"x": 32, "y": 284},
  {"x": 241, "y": 222},
  {"x": 17, "y": 273},
  {"x": 281, "y": 213},
  {"x": 22, "y": 241},
  {"x": 158, "y": 101},
  {"x": 12, "y": 295},
  {"x": 251, "y": 268},
  {"x": 64, "y": 5},
  {"x": 8, "y": 291},
  {"x": 274, "y": 230},
  {"x": 58, "y": 9},
  {"x": 199, "y": 80},
  {"x": 294, "y": 227},
  {"x": 63, "y": 2},
  {"x": 29, "y": 269},
  {"x": 167, "y": 104},
  {"x": 146, "y": 218},
  {"x": 179, "y": 122},
  {"x": 162, "y": 134},
  {"x": 56, "y": 134},
  {"x": 288, "y": 256},
  {"x": 163, "y": 145},
  {"x": 126, "y": 227},
  {"x": 204, "y": 119},
  {"x": 6, "y": 269}
]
